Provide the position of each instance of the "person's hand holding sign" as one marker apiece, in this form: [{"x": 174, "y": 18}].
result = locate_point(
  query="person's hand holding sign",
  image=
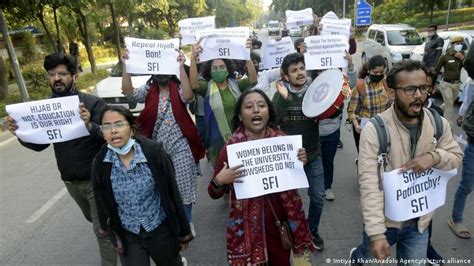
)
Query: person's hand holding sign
[
  {"x": 421, "y": 162},
  {"x": 228, "y": 176},
  {"x": 127, "y": 87},
  {"x": 85, "y": 115},
  {"x": 11, "y": 125},
  {"x": 196, "y": 50},
  {"x": 302, "y": 155}
]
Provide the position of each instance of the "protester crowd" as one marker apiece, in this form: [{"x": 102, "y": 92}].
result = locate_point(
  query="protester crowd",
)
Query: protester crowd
[{"x": 136, "y": 179}]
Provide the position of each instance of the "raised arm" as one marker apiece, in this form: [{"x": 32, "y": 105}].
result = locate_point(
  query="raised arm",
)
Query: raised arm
[
  {"x": 193, "y": 71},
  {"x": 127, "y": 86},
  {"x": 252, "y": 73},
  {"x": 183, "y": 77}
]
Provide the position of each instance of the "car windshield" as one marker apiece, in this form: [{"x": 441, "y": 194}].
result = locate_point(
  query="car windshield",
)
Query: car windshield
[
  {"x": 117, "y": 71},
  {"x": 274, "y": 25},
  {"x": 403, "y": 37}
]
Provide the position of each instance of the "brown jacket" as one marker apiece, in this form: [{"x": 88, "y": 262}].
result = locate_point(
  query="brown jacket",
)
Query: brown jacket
[{"x": 372, "y": 199}]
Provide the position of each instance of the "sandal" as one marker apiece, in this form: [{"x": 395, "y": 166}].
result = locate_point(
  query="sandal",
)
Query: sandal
[{"x": 459, "y": 229}]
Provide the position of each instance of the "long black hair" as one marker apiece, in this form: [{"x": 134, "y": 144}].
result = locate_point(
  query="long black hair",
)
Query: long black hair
[
  {"x": 236, "y": 123},
  {"x": 374, "y": 62}
]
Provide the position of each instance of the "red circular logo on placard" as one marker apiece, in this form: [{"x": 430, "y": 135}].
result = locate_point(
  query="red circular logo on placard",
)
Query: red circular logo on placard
[{"x": 321, "y": 92}]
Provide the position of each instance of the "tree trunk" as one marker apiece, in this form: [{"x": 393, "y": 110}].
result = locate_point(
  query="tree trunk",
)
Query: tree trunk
[
  {"x": 116, "y": 29},
  {"x": 431, "y": 14},
  {"x": 131, "y": 30},
  {"x": 4, "y": 91},
  {"x": 60, "y": 47},
  {"x": 50, "y": 37},
  {"x": 82, "y": 19}
]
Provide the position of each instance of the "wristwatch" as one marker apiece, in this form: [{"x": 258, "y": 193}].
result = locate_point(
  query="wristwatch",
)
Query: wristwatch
[{"x": 215, "y": 184}]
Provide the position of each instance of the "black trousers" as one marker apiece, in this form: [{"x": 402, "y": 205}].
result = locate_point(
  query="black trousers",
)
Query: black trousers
[{"x": 160, "y": 244}]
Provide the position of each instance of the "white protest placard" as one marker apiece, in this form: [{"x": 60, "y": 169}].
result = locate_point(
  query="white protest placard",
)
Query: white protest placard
[
  {"x": 189, "y": 26},
  {"x": 409, "y": 195},
  {"x": 274, "y": 51},
  {"x": 295, "y": 19},
  {"x": 228, "y": 43},
  {"x": 271, "y": 165},
  {"x": 152, "y": 56},
  {"x": 336, "y": 27},
  {"x": 48, "y": 121},
  {"x": 325, "y": 52}
]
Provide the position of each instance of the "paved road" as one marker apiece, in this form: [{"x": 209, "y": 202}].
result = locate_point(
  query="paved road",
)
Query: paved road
[{"x": 41, "y": 225}]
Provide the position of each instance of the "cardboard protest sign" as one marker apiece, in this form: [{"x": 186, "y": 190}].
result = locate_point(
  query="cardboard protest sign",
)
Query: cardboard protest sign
[
  {"x": 295, "y": 19},
  {"x": 336, "y": 27},
  {"x": 48, "y": 121},
  {"x": 324, "y": 52},
  {"x": 228, "y": 43},
  {"x": 409, "y": 195},
  {"x": 152, "y": 56},
  {"x": 274, "y": 51},
  {"x": 189, "y": 26},
  {"x": 271, "y": 165}
]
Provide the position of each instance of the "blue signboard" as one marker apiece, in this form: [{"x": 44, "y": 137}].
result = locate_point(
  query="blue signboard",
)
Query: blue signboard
[{"x": 363, "y": 13}]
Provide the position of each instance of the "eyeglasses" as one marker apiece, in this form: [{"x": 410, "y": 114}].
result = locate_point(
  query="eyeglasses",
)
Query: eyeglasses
[
  {"x": 410, "y": 90},
  {"x": 117, "y": 125},
  {"x": 61, "y": 74}
]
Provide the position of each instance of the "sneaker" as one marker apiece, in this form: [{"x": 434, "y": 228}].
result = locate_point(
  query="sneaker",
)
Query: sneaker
[
  {"x": 318, "y": 242},
  {"x": 340, "y": 144},
  {"x": 352, "y": 259},
  {"x": 329, "y": 195},
  {"x": 184, "y": 261},
  {"x": 193, "y": 231}
]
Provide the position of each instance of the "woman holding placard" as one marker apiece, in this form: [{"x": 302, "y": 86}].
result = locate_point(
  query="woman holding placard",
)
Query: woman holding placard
[
  {"x": 220, "y": 90},
  {"x": 166, "y": 119},
  {"x": 369, "y": 97},
  {"x": 253, "y": 236}
]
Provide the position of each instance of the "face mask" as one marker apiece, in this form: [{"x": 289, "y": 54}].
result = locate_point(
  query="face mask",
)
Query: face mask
[
  {"x": 125, "y": 149},
  {"x": 376, "y": 78},
  {"x": 431, "y": 34},
  {"x": 458, "y": 47},
  {"x": 162, "y": 79},
  {"x": 219, "y": 76}
]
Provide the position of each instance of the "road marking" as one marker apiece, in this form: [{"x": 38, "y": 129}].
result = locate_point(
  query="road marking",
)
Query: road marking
[
  {"x": 460, "y": 140},
  {"x": 46, "y": 206},
  {"x": 7, "y": 141}
]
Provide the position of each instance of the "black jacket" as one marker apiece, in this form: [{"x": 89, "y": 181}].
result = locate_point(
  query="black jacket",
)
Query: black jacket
[
  {"x": 163, "y": 173},
  {"x": 74, "y": 157}
]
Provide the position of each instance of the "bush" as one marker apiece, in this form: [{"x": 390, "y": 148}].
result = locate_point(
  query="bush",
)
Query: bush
[
  {"x": 99, "y": 52},
  {"x": 35, "y": 77},
  {"x": 29, "y": 47}
]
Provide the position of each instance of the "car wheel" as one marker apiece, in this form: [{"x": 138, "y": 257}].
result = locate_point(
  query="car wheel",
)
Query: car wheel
[{"x": 364, "y": 58}]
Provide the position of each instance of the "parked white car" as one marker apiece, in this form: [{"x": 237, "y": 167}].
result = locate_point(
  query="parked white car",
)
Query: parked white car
[
  {"x": 295, "y": 32},
  {"x": 468, "y": 36},
  {"x": 110, "y": 89},
  {"x": 395, "y": 42}
]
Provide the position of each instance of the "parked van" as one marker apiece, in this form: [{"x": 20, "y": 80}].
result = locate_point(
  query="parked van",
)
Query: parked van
[
  {"x": 273, "y": 28},
  {"x": 395, "y": 42}
]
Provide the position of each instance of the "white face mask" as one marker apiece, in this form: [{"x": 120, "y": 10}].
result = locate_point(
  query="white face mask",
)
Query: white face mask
[
  {"x": 458, "y": 47},
  {"x": 125, "y": 149},
  {"x": 431, "y": 34}
]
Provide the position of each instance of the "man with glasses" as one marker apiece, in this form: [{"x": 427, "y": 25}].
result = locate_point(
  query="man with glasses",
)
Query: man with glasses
[
  {"x": 74, "y": 157},
  {"x": 412, "y": 148},
  {"x": 433, "y": 47}
]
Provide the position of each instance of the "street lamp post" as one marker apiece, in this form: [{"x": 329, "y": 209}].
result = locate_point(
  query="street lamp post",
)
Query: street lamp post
[{"x": 447, "y": 16}]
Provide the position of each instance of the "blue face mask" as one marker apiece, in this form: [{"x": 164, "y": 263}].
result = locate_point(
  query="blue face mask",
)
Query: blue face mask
[{"x": 125, "y": 149}]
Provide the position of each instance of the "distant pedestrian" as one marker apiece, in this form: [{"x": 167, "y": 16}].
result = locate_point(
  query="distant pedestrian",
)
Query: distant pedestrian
[
  {"x": 433, "y": 48},
  {"x": 74, "y": 157},
  {"x": 253, "y": 237},
  {"x": 411, "y": 134},
  {"x": 452, "y": 63},
  {"x": 466, "y": 120},
  {"x": 369, "y": 97},
  {"x": 138, "y": 199}
]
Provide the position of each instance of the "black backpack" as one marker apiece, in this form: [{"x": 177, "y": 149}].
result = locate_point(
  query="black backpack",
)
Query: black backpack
[{"x": 384, "y": 137}]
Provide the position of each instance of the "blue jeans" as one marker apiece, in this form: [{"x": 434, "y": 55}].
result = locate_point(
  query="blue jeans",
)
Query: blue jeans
[
  {"x": 328, "y": 151},
  {"x": 465, "y": 187},
  {"x": 411, "y": 245},
  {"x": 315, "y": 175},
  {"x": 188, "y": 209}
]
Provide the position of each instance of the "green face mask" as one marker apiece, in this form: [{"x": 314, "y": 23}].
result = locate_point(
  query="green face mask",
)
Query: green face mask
[{"x": 219, "y": 76}]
